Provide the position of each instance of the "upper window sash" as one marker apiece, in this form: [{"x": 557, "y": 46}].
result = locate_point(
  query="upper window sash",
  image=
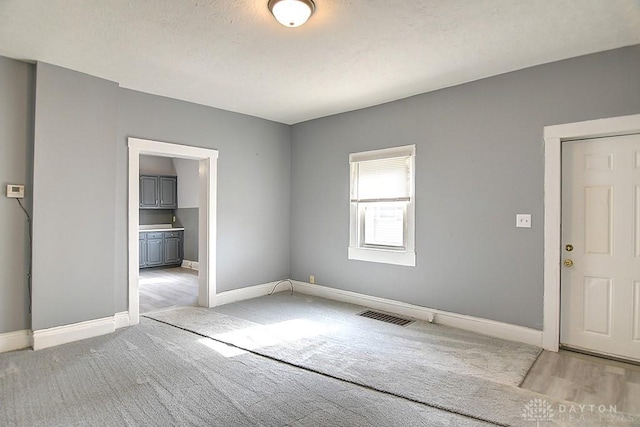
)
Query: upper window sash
[{"x": 382, "y": 175}]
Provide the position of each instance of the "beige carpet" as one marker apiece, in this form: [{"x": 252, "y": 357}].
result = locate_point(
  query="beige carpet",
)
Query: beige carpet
[
  {"x": 303, "y": 362},
  {"x": 445, "y": 368},
  {"x": 157, "y": 375}
]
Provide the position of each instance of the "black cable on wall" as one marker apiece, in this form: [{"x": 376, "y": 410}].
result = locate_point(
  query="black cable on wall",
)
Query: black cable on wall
[{"x": 30, "y": 251}]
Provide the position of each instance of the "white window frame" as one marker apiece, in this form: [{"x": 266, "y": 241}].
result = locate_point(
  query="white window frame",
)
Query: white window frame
[{"x": 357, "y": 251}]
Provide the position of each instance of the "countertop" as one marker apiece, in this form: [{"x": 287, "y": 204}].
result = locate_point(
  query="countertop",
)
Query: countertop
[{"x": 159, "y": 227}]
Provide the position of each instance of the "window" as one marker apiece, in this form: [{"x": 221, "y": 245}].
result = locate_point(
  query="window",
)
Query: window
[{"x": 382, "y": 206}]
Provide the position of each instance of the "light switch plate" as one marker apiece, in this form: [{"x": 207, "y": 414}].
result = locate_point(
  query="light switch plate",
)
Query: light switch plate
[
  {"x": 15, "y": 191},
  {"x": 523, "y": 220}
]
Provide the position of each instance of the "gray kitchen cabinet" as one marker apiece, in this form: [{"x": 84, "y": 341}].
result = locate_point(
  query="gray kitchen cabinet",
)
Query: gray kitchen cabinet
[
  {"x": 148, "y": 192},
  {"x": 158, "y": 192},
  {"x": 142, "y": 252},
  {"x": 168, "y": 192},
  {"x": 159, "y": 248},
  {"x": 155, "y": 250},
  {"x": 172, "y": 251}
]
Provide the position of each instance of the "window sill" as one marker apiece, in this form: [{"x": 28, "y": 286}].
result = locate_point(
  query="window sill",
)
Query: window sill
[{"x": 407, "y": 259}]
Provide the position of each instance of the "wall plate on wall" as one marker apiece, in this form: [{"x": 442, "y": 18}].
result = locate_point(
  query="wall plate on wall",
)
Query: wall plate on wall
[
  {"x": 15, "y": 191},
  {"x": 523, "y": 220}
]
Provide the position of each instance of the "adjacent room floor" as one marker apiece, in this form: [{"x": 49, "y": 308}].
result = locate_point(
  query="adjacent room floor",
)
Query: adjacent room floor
[
  {"x": 586, "y": 379},
  {"x": 162, "y": 288}
]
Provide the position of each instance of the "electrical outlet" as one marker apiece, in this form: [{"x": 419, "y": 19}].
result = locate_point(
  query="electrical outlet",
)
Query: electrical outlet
[
  {"x": 312, "y": 280},
  {"x": 174, "y": 218},
  {"x": 523, "y": 220}
]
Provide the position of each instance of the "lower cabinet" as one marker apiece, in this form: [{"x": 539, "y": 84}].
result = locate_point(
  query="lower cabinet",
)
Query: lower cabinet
[
  {"x": 155, "y": 255},
  {"x": 172, "y": 251},
  {"x": 160, "y": 248},
  {"x": 142, "y": 250}
]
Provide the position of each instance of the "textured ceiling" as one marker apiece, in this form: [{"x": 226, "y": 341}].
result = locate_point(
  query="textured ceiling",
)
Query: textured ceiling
[{"x": 232, "y": 54}]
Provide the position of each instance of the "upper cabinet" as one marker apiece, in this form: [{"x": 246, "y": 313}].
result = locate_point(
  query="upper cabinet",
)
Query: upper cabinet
[
  {"x": 168, "y": 192},
  {"x": 149, "y": 192},
  {"x": 158, "y": 192}
]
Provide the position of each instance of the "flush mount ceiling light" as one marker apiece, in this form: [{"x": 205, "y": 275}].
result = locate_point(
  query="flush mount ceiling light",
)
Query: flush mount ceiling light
[{"x": 292, "y": 13}]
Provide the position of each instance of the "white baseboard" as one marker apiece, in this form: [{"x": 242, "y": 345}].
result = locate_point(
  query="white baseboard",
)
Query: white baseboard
[
  {"x": 121, "y": 319},
  {"x": 190, "y": 264},
  {"x": 58, "y": 335},
  {"x": 17, "y": 340},
  {"x": 250, "y": 292},
  {"x": 475, "y": 324}
]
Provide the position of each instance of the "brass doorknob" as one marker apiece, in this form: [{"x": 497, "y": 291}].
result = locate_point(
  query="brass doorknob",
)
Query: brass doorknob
[{"x": 568, "y": 262}]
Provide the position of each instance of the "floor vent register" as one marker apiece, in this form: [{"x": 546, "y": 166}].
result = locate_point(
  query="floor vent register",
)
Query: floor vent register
[{"x": 383, "y": 317}]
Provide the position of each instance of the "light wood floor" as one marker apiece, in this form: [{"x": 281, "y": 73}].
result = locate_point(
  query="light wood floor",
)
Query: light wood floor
[
  {"x": 586, "y": 379},
  {"x": 167, "y": 287}
]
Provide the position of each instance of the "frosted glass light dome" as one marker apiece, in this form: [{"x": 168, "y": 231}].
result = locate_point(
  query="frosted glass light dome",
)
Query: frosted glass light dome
[{"x": 292, "y": 13}]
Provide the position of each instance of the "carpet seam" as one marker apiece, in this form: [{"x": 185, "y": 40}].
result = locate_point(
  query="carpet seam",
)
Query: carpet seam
[{"x": 315, "y": 371}]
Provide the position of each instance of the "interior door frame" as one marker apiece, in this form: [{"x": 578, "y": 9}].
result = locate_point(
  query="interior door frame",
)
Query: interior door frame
[
  {"x": 554, "y": 136},
  {"x": 208, "y": 167}
]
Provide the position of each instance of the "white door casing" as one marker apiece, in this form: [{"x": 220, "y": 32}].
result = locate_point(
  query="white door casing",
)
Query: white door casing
[
  {"x": 208, "y": 166},
  {"x": 554, "y": 137},
  {"x": 600, "y": 288}
]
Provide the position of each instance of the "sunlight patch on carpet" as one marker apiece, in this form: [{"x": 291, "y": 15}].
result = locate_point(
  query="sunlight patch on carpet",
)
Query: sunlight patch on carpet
[
  {"x": 260, "y": 336},
  {"x": 222, "y": 349}
]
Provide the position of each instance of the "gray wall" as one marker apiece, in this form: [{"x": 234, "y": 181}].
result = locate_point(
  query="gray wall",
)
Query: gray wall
[
  {"x": 479, "y": 162},
  {"x": 156, "y": 165},
  {"x": 188, "y": 218},
  {"x": 253, "y": 184},
  {"x": 188, "y": 201},
  {"x": 74, "y": 197},
  {"x": 16, "y": 145},
  {"x": 188, "y": 172},
  {"x": 155, "y": 216}
]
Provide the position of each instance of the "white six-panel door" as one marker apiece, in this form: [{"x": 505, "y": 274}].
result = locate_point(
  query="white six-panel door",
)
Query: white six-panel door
[{"x": 600, "y": 280}]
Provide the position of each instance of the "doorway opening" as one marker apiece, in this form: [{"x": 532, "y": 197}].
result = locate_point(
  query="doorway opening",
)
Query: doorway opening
[
  {"x": 168, "y": 239},
  {"x": 207, "y": 199},
  {"x": 554, "y": 137}
]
